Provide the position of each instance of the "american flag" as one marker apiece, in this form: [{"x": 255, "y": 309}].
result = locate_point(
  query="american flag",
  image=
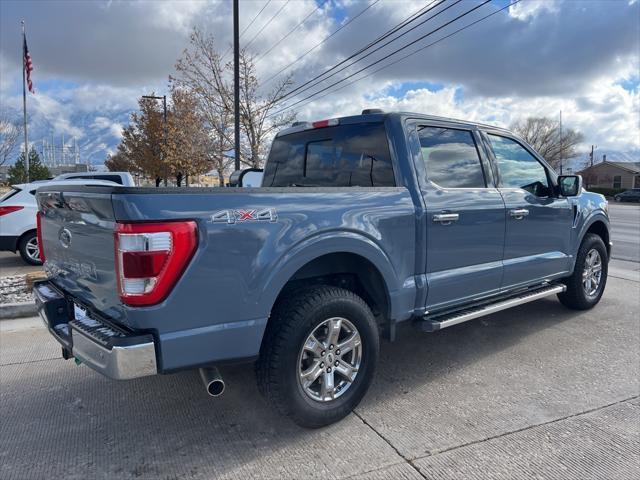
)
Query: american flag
[{"x": 28, "y": 66}]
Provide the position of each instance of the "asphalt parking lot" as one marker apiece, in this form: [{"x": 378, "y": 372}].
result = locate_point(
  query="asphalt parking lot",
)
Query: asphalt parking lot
[{"x": 538, "y": 391}]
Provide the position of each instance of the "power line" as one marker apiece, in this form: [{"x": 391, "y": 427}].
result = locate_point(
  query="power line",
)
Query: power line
[
  {"x": 267, "y": 24},
  {"x": 404, "y": 57},
  {"x": 321, "y": 42},
  {"x": 254, "y": 18},
  {"x": 317, "y": 79},
  {"x": 389, "y": 55},
  {"x": 247, "y": 27},
  {"x": 291, "y": 31}
]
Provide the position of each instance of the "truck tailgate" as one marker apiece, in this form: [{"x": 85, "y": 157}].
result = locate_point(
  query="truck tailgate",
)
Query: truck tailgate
[{"x": 77, "y": 231}]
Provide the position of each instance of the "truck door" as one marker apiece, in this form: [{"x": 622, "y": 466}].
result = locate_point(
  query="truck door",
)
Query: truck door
[
  {"x": 538, "y": 223},
  {"x": 465, "y": 217}
]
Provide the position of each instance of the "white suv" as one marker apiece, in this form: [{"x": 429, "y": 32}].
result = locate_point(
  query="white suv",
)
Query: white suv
[{"x": 18, "y": 210}]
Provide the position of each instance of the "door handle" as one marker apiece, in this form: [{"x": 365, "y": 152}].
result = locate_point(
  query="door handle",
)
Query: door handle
[
  {"x": 446, "y": 218},
  {"x": 519, "y": 213}
]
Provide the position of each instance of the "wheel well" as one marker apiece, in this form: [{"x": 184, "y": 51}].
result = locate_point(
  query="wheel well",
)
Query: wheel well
[
  {"x": 349, "y": 271},
  {"x": 600, "y": 229},
  {"x": 19, "y": 240}
]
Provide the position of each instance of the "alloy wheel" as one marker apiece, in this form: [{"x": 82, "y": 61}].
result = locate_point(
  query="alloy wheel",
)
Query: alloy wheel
[
  {"x": 329, "y": 359},
  {"x": 592, "y": 272}
]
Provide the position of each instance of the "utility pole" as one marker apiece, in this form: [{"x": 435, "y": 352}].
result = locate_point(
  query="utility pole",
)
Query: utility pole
[
  {"x": 236, "y": 83},
  {"x": 561, "y": 143}
]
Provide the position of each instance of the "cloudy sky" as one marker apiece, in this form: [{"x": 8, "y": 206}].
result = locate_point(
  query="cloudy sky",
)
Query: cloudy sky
[{"x": 93, "y": 59}]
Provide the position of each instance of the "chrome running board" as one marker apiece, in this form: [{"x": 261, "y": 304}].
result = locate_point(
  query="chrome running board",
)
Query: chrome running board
[{"x": 435, "y": 322}]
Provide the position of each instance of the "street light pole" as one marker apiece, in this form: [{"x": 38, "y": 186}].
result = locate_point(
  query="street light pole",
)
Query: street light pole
[{"x": 236, "y": 83}]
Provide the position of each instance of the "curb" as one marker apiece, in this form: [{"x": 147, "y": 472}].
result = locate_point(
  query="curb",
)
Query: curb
[{"x": 18, "y": 310}]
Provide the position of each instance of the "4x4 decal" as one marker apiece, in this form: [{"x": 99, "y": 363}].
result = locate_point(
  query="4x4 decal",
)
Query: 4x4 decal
[{"x": 237, "y": 216}]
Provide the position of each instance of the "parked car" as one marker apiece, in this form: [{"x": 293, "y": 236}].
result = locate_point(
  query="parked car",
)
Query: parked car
[
  {"x": 122, "y": 178},
  {"x": 18, "y": 210},
  {"x": 362, "y": 224},
  {"x": 632, "y": 195}
]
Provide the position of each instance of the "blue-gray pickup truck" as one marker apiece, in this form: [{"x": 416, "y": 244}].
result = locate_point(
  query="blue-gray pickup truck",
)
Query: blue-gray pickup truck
[{"x": 361, "y": 224}]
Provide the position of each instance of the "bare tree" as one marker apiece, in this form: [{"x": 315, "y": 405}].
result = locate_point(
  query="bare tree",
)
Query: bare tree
[
  {"x": 9, "y": 136},
  {"x": 545, "y": 136},
  {"x": 200, "y": 70},
  {"x": 255, "y": 112}
]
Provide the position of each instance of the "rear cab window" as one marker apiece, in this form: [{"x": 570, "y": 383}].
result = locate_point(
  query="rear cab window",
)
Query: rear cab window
[{"x": 352, "y": 155}]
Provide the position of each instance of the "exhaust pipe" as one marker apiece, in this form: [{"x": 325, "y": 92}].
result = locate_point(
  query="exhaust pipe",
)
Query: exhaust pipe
[{"x": 212, "y": 380}]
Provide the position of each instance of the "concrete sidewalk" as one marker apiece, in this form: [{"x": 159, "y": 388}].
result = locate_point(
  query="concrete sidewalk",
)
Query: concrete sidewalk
[{"x": 538, "y": 391}]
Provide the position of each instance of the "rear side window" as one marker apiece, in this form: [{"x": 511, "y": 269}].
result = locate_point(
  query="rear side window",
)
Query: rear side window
[
  {"x": 451, "y": 158},
  {"x": 341, "y": 156},
  {"x": 9, "y": 194}
]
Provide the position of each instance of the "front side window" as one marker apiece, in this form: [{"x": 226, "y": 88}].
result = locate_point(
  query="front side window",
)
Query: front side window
[
  {"x": 451, "y": 158},
  {"x": 617, "y": 181},
  {"x": 340, "y": 156},
  {"x": 518, "y": 168}
]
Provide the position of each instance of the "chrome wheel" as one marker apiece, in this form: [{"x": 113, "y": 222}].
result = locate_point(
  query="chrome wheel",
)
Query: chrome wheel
[
  {"x": 329, "y": 360},
  {"x": 592, "y": 273},
  {"x": 32, "y": 249}
]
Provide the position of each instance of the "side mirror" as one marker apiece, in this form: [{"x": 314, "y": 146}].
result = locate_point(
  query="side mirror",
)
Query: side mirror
[
  {"x": 249, "y": 177},
  {"x": 569, "y": 185}
]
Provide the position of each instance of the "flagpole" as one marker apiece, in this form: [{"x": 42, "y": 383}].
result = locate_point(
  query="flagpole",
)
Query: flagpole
[{"x": 24, "y": 102}]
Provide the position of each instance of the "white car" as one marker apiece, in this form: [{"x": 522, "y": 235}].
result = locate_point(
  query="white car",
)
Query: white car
[
  {"x": 18, "y": 210},
  {"x": 123, "y": 178}
]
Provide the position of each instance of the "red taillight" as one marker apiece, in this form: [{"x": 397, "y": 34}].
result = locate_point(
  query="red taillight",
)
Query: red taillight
[
  {"x": 332, "y": 122},
  {"x": 39, "y": 234},
  {"x": 150, "y": 258},
  {"x": 6, "y": 210}
]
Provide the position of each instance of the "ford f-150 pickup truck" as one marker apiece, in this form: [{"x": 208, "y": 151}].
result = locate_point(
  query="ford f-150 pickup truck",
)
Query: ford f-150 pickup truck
[{"x": 361, "y": 224}]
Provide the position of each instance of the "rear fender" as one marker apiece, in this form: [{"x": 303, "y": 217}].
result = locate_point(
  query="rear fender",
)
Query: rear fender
[{"x": 323, "y": 244}]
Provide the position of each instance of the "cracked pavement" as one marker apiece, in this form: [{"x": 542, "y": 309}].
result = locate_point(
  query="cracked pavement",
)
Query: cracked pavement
[{"x": 537, "y": 391}]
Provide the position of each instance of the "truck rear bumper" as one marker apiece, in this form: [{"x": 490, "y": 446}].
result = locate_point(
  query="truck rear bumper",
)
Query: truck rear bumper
[{"x": 108, "y": 349}]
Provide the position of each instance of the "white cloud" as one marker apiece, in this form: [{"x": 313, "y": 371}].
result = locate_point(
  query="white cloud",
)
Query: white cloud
[
  {"x": 535, "y": 59},
  {"x": 527, "y": 9}
]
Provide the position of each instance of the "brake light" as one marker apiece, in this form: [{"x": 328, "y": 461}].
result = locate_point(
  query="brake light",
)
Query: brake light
[
  {"x": 6, "y": 210},
  {"x": 39, "y": 234},
  {"x": 151, "y": 257},
  {"x": 332, "y": 122}
]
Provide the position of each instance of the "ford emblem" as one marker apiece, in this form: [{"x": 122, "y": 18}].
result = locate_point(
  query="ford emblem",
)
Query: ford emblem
[{"x": 65, "y": 238}]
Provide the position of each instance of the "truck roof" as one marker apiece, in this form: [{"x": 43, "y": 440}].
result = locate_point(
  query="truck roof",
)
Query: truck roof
[{"x": 375, "y": 115}]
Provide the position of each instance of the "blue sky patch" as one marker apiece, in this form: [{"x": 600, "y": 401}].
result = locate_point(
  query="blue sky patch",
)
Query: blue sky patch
[{"x": 399, "y": 90}]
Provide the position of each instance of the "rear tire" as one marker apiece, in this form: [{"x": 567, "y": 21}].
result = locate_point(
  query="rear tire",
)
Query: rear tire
[
  {"x": 586, "y": 286},
  {"x": 28, "y": 248},
  {"x": 298, "y": 346}
]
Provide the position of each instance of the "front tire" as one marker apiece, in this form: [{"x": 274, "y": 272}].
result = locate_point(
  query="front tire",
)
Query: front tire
[
  {"x": 318, "y": 356},
  {"x": 586, "y": 285},
  {"x": 29, "y": 249}
]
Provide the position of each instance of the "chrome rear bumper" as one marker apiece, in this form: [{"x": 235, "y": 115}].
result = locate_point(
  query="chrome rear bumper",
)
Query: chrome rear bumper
[{"x": 106, "y": 348}]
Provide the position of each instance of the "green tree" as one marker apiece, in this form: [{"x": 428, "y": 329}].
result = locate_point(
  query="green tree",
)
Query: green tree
[{"x": 37, "y": 171}]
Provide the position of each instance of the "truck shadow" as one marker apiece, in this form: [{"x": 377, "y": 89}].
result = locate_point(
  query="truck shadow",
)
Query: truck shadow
[{"x": 167, "y": 427}]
